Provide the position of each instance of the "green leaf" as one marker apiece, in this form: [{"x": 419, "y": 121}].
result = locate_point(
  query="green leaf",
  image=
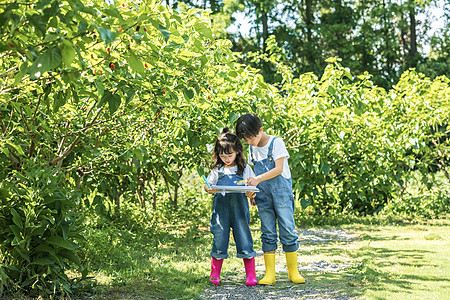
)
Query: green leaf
[
  {"x": 135, "y": 64},
  {"x": 204, "y": 30},
  {"x": 130, "y": 95},
  {"x": 23, "y": 254},
  {"x": 59, "y": 241},
  {"x": 60, "y": 100},
  {"x": 188, "y": 93},
  {"x": 107, "y": 35},
  {"x": 100, "y": 86},
  {"x": 16, "y": 218},
  {"x": 326, "y": 168},
  {"x": 68, "y": 53},
  {"x": 70, "y": 255},
  {"x": 16, "y": 147},
  {"x": 112, "y": 100},
  {"x": 16, "y": 231},
  {"x": 51, "y": 59},
  {"x": 43, "y": 261},
  {"x": 22, "y": 72},
  {"x": 305, "y": 203},
  {"x": 166, "y": 33},
  {"x": 45, "y": 248}
]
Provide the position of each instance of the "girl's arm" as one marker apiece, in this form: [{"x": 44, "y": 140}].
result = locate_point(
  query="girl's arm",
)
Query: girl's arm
[{"x": 279, "y": 163}]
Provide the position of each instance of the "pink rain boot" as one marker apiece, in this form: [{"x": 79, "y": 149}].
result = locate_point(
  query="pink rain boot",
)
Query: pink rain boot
[
  {"x": 250, "y": 271},
  {"x": 216, "y": 267}
]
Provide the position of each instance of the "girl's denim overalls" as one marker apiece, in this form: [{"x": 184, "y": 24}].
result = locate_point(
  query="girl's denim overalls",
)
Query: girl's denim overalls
[
  {"x": 275, "y": 202},
  {"x": 230, "y": 210}
]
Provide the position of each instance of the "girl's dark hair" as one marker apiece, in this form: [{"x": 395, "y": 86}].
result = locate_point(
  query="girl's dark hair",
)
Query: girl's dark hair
[
  {"x": 227, "y": 143},
  {"x": 248, "y": 126}
]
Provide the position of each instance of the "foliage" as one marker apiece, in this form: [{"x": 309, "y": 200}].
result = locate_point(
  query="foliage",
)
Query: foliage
[
  {"x": 351, "y": 142},
  {"x": 108, "y": 106},
  {"x": 383, "y": 38},
  {"x": 37, "y": 233}
]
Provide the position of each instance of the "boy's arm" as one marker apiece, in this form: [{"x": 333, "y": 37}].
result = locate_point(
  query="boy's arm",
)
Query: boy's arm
[{"x": 279, "y": 163}]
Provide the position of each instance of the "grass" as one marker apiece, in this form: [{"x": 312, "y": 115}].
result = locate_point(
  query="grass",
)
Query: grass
[
  {"x": 409, "y": 261},
  {"x": 404, "y": 262}
]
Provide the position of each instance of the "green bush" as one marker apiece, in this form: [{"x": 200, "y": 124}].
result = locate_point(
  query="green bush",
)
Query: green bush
[
  {"x": 37, "y": 233},
  {"x": 426, "y": 196}
]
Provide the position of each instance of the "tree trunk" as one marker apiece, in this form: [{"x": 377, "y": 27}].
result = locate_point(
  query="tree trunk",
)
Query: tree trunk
[
  {"x": 155, "y": 180},
  {"x": 412, "y": 29},
  {"x": 213, "y": 5},
  {"x": 265, "y": 30}
]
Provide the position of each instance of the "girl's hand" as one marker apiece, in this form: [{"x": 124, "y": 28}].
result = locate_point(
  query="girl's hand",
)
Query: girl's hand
[
  {"x": 210, "y": 191},
  {"x": 251, "y": 197},
  {"x": 250, "y": 194}
]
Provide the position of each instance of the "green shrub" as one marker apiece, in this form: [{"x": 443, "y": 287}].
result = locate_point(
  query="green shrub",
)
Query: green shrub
[{"x": 37, "y": 233}]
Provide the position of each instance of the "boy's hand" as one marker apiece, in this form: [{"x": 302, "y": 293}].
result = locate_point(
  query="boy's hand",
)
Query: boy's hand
[{"x": 253, "y": 181}]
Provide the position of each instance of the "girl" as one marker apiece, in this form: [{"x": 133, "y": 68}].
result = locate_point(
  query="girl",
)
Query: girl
[
  {"x": 275, "y": 201},
  {"x": 230, "y": 210}
]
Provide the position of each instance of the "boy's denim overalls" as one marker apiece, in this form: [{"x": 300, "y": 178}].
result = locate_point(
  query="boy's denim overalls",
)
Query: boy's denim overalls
[
  {"x": 275, "y": 201},
  {"x": 230, "y": 211}
]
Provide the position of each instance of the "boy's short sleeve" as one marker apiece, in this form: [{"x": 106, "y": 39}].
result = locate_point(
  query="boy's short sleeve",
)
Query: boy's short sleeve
[
  {"x": 213, "y": 176},
  {"x": 248, "y": 172},
  {"x": 279, "y": 149}
]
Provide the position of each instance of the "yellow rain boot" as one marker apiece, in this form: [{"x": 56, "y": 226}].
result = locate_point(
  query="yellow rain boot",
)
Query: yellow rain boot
[
  {"x": 291, "y": 261},
  {"x": 269, "y": 277}
]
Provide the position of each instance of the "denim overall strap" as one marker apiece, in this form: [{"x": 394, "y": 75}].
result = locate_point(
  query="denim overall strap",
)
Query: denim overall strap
[
  {"x": 220, "y": 171},
  {"x": 251, "y": 155},
  {"x": 269, "y": 153}
]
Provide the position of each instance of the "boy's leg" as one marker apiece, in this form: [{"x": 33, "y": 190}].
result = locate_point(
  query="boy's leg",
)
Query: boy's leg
[
  {"x": 288, "y": 237},
  {"x": 284, "y": 208},
  {"x": 268, "y": 237},
  {"x": 291, "y": 261},
  {"x": 269, "y": 262}
]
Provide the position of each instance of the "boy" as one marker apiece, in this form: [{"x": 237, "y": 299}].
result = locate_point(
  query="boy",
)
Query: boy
[{"x": 275, "y": 201}]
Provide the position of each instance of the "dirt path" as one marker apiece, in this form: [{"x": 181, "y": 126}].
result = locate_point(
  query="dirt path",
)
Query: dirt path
[{"x": 324, "y": 276}]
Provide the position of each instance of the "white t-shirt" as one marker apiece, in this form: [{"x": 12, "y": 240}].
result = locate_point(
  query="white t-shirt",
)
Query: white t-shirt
[
  {"x": 278, "y": 150},
  {"x": 214, "y": 174}
]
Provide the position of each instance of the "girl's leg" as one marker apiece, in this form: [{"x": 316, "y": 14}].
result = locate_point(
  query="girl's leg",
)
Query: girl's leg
[
  {"x": 241, "y": 231},
  {"x": 220, "y": 228},
  {"x": 250, "y": 271},
  {"x": 243, "y": 237},
  {"x": 216, "y": 267}
]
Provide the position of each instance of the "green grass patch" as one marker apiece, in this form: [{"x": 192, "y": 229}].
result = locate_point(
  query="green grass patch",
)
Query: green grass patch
[
  {"x": 403, "y": 262},
  {"x": 385, "y": 259}
]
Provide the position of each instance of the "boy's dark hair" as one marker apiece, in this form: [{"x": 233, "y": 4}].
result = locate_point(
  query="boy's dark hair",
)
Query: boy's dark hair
[
  {"x": 248, "y": 126},
  {"x": 227, "y": 143}
]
